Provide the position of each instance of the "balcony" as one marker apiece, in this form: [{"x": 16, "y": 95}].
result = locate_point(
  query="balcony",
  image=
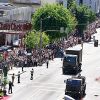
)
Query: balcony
[{"x": 31, "y": 2}]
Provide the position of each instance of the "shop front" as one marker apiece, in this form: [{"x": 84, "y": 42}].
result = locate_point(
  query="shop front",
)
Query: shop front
[
  {"x": 11, "y": 32},
  {"x": 2, "y": 39}
]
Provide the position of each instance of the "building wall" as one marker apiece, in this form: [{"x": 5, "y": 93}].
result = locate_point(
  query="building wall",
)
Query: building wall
[
  {"x": 93, "y": 4},
  {"x": 13, "y": 14},
  {"x": 48, "y": 1},
  {"x": 4, "y": 1},
  {"x": 34, "y": 4},
  {"x": 21, "y": 13}
]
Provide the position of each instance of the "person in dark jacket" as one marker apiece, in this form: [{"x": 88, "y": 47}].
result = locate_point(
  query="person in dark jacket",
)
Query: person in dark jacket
[
  {"x": 13, "y": 78},
  {"x": 19, "y": 77},
  {"x": 47, "y": 63},
  {"x": 10, "y": 87},
  {"x": 32, "y": 71}
]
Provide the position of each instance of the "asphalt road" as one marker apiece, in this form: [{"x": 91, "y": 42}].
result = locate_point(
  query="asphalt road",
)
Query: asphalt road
[
  {"x": 48, "y": 84},
  {"x": 91, "y": 68}
]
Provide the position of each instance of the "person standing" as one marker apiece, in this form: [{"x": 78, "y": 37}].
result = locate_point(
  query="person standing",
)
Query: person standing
[
  {"x": 19, "y": 77},
  {"x": 32, "y": 71},
  {"x": 13, "y": 78},
  {"x": 22, "y": 64},
  {"x": 47, "y": 63},
  {"x": 10, "y": 87}
]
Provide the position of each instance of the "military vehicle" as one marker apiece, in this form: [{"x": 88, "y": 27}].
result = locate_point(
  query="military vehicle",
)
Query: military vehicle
[
  {"x": 72, "y": 60},
  {"x": 75, "y": 87}
]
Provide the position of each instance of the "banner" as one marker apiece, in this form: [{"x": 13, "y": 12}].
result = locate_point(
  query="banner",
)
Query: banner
[{"x": 15, "y": 26}]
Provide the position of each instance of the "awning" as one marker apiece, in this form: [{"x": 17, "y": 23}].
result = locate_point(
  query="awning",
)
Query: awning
[{"x": 12, "y": 32}]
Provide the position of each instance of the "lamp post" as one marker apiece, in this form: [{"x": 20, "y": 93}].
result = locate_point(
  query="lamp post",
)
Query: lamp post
[
  {"x": 41, "y": 36},
  {"x": 41, "y": 20},
  {"x": 64, "y": 30}
]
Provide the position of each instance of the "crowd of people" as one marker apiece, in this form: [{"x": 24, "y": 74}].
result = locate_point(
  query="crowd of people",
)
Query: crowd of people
[{"x": 22, "y": 57}]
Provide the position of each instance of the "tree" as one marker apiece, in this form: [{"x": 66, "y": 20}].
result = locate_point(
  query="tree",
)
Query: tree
[
  {"x": 71, "y": 4},
  {"x": 33, "y": 39},
  {"x": 58, "y": 17},
  {"x": 83, "y": 15},
  {"x": 45, "y": 39}
]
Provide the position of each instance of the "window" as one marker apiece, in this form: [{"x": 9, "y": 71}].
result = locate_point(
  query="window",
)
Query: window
[
  {"x": 80, "y": 1},
  {"x": 1, "y": 13},
  {"x": 60, "y": 2}
]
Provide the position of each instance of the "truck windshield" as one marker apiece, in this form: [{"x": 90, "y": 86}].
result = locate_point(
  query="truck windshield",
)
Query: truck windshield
[
  {"x": 70, "y": 59},
  {"x": 73, "y": 85}
]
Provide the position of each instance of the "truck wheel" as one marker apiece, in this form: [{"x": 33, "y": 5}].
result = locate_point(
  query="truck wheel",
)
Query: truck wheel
[
  {"x": 63, "y": 72},
  {"x": 83, "y": 93}
]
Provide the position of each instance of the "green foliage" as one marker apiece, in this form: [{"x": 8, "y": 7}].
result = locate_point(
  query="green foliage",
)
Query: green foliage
[
  {"x": 71, "y": 4},
  {"x": 59, "y": 17},
  {"x": 33, "y": 39},
  {"x": 45, "y": 39},
  {"x": 5, "y": 81},
  {"x": 1, "y": 57},
  {"x": 83, "y": 15}
]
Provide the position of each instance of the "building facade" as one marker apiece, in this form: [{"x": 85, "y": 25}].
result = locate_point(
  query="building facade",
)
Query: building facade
[
  {"x": 14, "y": 22},
  {"x": 93, "y": 4},
  {"x": 34, "y": 4},
  {"x": 16, "y": 14}
]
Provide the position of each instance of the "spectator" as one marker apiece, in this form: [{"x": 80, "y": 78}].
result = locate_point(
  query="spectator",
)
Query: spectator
[
  {"x": 47, "y": 63},
  {"x": 13, "y": 78},
  {"x": 32, "y": 71},
  {"x": 19, "y": 77}
]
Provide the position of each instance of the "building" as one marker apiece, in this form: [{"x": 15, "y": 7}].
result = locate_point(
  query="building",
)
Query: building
[
  {"x": 93, "y": 4},
  {"x": 34, "y": 4},
  {"x": 14, "y": 22},
  {"x": 15, "y": 16},
  {"x": 3, "y": 1}
]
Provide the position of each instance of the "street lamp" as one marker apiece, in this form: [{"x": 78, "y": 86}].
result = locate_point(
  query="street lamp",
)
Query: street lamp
[
  {"x": 41, "y": 20},
  {"x": 41, "y": 30},
  {"x": 64, "y": 30}
]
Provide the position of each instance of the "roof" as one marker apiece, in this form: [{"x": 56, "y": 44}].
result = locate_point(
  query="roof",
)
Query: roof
[{"x": 76, "y": 48}]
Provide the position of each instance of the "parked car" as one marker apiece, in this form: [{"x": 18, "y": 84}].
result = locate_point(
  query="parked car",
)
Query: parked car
[{"x": 5, "y": 48}]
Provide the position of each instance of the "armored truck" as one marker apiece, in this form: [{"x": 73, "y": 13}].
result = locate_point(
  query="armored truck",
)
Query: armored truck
[
  {"x": 75, "y": 87},
  {"x": 72, "y": 60}
]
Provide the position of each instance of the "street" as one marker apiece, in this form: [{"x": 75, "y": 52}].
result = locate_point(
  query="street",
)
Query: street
[
  {"x": 91, "y": 69},
  {"x": 48, "y": 84}
]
